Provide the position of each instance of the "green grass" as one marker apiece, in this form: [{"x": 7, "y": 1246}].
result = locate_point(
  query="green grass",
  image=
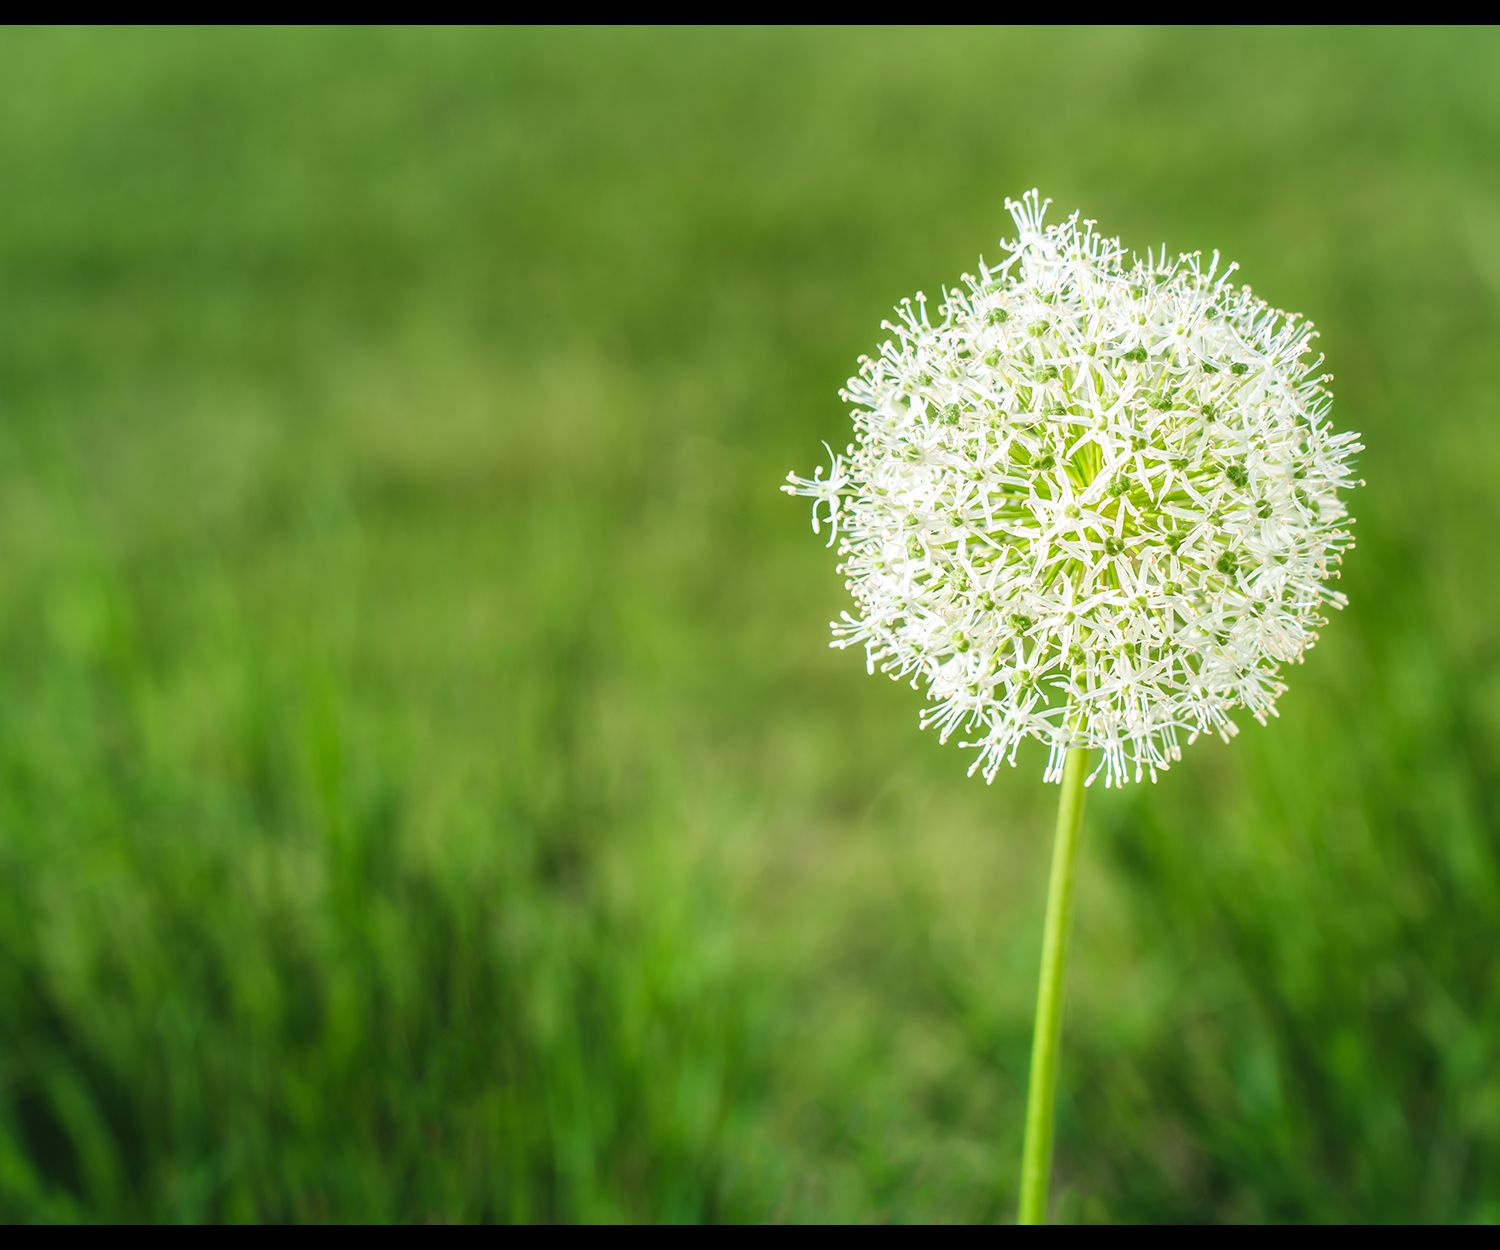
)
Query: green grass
[{"x": 425, "y": 792}]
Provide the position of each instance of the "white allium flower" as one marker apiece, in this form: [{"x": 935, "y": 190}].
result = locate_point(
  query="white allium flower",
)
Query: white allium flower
[{"x": 1092, "y": 499}]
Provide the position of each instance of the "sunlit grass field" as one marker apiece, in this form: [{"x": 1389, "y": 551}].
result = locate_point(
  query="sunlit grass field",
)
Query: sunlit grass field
[{"x": 425, "y": 790}]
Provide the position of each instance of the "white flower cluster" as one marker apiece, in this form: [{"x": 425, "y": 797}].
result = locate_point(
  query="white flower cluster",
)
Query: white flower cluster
[{"x": 1092, "y": 499}]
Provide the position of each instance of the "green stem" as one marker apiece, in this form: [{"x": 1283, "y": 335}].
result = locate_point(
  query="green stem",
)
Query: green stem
[{"x": 1041, "y": 1097}]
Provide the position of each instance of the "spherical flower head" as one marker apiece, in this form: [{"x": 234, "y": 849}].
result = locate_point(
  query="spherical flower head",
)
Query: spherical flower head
[{"x": 1092, "y": 499}]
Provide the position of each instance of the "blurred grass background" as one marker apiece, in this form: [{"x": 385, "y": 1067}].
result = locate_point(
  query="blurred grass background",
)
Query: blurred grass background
[{"x": 424, "y": 789}]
